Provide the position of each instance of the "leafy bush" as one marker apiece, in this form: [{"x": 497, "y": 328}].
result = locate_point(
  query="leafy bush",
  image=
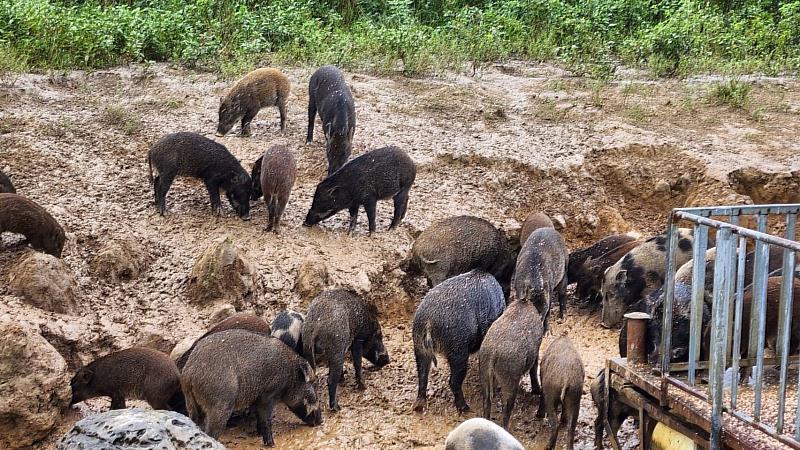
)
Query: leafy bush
[{"x": 415, "y": 36}]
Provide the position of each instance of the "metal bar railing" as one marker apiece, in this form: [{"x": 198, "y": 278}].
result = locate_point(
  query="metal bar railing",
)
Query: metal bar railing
[
  {"x": 737, "y": 324},
  {"x": 785, "y": 318},
  {"x": 698, "y": 297},
  {"x": 669, "y": 289}
]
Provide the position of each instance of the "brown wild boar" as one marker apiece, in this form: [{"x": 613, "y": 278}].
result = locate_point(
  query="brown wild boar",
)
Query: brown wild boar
[
  {"x": 278, "y": 172},
  {"x": 562, "y": 384},
  {"x": 258, "y": 89},
  {"x": 240, "y": 321},
  {"x": 21, "y": 215},
  {"x": 533, "y": 222}
]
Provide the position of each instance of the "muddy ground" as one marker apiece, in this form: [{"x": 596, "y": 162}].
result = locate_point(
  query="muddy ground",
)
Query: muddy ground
[{"x": 607, "y": 157}]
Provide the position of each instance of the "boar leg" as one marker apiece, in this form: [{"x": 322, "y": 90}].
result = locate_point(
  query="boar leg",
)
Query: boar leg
[
  {"x": 213, "y": 194},
  {"x": 400, "y": 205},
  {"x": 536, "y": 388},
  {"x": 370, "y": 206},
  {"x": 423, "y": 368},
  {"x": 353, "y": 218},
  {"x": 550, "y": 403},
  {"x": 312, "y": 114},
  {"x": 217, "y": 417},
  {"x": 335, "y": 366},
  {"x": 561, "y": 293},
  {"x": 458, "y": 371},
  {"x": 117, "y": 401},
  {"x": 508, "y": 406},
  {"x": 265, "y": 408},
  {"x": 246, "y": 119},
  {"x": 569, "y": 416},
  {"x": 282, "y": 112},
  {"x": 357, "y": 351},
  {"x": 164, "y": 183}
]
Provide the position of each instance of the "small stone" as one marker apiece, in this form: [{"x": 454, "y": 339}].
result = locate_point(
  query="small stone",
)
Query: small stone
[
  {"x": 662, "y": 187},
  {"x": 559, "y": 221}
]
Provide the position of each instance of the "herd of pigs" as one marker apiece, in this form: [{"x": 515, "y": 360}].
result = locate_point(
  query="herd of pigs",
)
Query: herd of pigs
[{"x": 489, "y": 294}]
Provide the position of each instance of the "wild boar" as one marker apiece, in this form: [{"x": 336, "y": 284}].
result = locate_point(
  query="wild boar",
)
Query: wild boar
[
  {"x": 338, "y": 321},
  {"x": 480, "y": 434},
  {"x": 193, "y": 155},
  {"x": 509, "y": 351},
  {"x": 381, "y": 174},
  {"x": 21, "y": 215},
  {"x": 452, "y": 320},
  {"x": 618, "y": 412},
  {"x": 638, "y": 273},
  {"x": 541, "y": 272},
  {"x": 459, "y": 244},
  {"x": 258, "y": 89},
  {"x": 329, "y": 94},
  {"x": 288, "y": 327},
  {"x": 240, "y": 321},
  {"x": 533, "y": 222},
  {"x": 590, "y": 274},
  {"x": 136, "y": 373},
  {"x": 278, "y": 172},
  {"x": 562, "y": 384},
  {"x": 6, "y": 186},
  {"x": 236, "y": 369}
]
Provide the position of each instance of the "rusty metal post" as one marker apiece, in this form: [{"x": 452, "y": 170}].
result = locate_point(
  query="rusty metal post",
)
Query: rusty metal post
[{"x": 637, "y": 337}]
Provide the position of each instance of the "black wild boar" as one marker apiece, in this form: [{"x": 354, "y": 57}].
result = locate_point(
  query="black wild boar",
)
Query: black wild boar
[
  {"x": 562, "y": 384},
  {"x": 6, "y": 186},
  {"x": 541, "y": 272},
  {"x": 618, "y": 412},
  {"x": 533, "y": 222},
  {"x": 590, "y": 274},
  {"x": 459, "y": 244},
  {"x": 638, "y": 273},
  {"x": 240, "y": 321},
  {"x": 480, "y": 434},
  {"x": 328, "y": 93},
  {"x": 288, "y": 327},
  {"x": 236, "y": 369},
  {"x": 193, "y": 155},
  {"x": 258, "y": 89},
  {"x": 255, "y": 175},
  {"x": 452, "y": 320},
  {"x": 384, "y": 173},
  {"x": 338, "y": 321},
  {"x": 278, "y": 172},
  {"x": 138, "y": 373},
  {"x": 509, "y": 351},
  {"x": 21, "y": 215}
]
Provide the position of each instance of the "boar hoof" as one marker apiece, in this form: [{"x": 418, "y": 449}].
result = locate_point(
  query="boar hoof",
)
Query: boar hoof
[
  {"x": 269, "y": 441},
  {"x": 335, "y": 407},
  {"x": 360, "y": 386},
  {"x": 462, "y": 408},
  {"x": 419, "y": 405}
]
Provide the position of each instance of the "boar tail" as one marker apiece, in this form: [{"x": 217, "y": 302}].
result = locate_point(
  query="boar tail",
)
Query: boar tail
[
  {"x": 427, "y": 343},
  {"x": 308, "y": 350},
  {"x": 486, "y": 370},
  {"x": 429, "y": 262},
  {"x": 149, "y": 169}
]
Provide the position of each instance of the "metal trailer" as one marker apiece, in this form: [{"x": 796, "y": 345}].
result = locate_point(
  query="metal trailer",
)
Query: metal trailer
[{"x": 746, "y": 403}]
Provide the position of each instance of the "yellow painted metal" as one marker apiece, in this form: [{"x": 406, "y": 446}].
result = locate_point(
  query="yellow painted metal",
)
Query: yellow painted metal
[{"x": 665, "y": 438}]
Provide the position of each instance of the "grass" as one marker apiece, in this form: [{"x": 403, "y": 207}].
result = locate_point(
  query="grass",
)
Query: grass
[
  {"x": 12, "y": 65},
  {"x": 121, "y": 119},
  {"x": 734, "y": 93}
]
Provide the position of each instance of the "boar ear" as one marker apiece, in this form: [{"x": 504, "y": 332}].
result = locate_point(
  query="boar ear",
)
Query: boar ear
[
  {"x": 306, "y": 372},
  {"x": 84, "y": 376},
  {"x": 622, "y": 276},
  {"x": 333, "y": 189}
]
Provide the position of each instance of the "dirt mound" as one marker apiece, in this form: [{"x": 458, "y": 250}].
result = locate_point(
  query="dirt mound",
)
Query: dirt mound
[
  {"x": 45, "y": 282},
  {"x": 222, "y": 273}
]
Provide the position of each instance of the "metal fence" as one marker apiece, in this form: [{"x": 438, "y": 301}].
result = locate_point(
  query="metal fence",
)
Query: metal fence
[{"x": 723, "y": 333}]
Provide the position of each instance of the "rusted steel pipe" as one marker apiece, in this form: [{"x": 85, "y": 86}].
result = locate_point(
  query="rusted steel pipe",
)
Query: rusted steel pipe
[{"x": 637, "y": 337}]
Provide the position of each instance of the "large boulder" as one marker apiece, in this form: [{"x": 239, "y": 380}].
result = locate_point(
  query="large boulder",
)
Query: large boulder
[
  {"x": 45, "y": 282},
  {"x": 223, "y": 273},
  {"x": 34, "y": 386},
  {"x": 136, "y": 428},
  {"x": 120, "y": 259}
]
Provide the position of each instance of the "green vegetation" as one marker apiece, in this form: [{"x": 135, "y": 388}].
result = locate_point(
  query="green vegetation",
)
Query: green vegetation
[
  {"x": 734, "y": 93},
  {"x": 671, "y": 37},
  {"x": 120, "y": 118}
]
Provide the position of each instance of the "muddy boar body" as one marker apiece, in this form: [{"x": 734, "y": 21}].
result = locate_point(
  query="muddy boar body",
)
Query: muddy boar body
[
  {"x": 459, "y": 244},
  {"x": 239, "y": 321},
  {"x": 541, "y": 272},
  {"x": 258, "y": 89},
  {"x": 134, "y": 373},
  {"x": 562, "y": 384},
  {"x": 236, "y": 369},
  {"x": 510, "y": 350},
  {"x": 586, "y": 266},
  {"x": 24, "y": 216},
  {"x": 338, "y": 321},
  {"x": 480, "y": 434},
  {"x": 278, "y": 172},
  {"x": 193, "y": 155},
  {"x": 533, "y": 222},
  {"x": 6, "y": 186},
  {"x": 329, "y": 95},
  {"x": 638, "y": 273},
  {"x": 452, "y": 320},
  {"x": 618, "y": 412},
  {"x": 288, "y": 327},
  {"x": 378, "y": 175}
]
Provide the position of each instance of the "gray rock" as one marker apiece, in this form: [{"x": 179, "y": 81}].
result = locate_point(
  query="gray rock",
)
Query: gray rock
[{"x": 128, "y": 429}]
